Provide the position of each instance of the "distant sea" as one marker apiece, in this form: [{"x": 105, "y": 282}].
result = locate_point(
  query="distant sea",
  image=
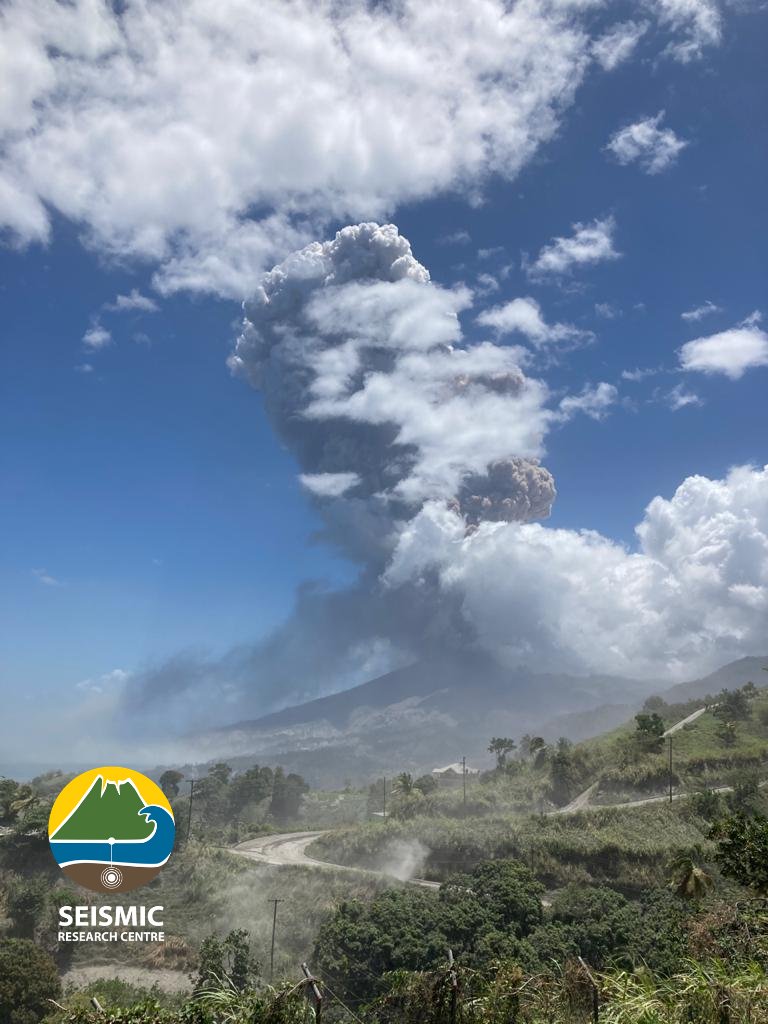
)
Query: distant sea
[{"x": 23, "y": 771}]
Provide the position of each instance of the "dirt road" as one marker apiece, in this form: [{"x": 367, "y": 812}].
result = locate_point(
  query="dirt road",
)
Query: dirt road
[{"x": 291, "y": 849}]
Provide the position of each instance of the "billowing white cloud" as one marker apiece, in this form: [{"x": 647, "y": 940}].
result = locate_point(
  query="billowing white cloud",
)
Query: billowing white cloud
[
  {"x": 589, "y": 244},
  {"x": 652, "y": 147},
  {"x": 730, "y": 352},
  {"x": 211, "y": 138},
  {"x": 171, "y": 121},
  {"x": 524, "y": 316},
  {"x": 618, "y": 43},
  {"x": 693, "y": 596},
  {"x": 699, "y": 312},
  {"x": 696, "y": 23}
]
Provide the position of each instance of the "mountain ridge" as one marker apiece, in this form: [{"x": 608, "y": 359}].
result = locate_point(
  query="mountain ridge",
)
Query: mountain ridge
[{"x": 427, "y": 714}]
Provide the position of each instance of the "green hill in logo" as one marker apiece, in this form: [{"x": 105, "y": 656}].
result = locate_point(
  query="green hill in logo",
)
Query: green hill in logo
[{"x": 108, "y": 811}]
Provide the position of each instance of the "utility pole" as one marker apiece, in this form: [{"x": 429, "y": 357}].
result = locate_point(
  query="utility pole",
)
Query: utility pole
[
  {"x": 274, "y": 903},
  {"x": 464, "y": 782},
  {"x": 384, "y": 808},
  {"x": 191, "y": 796},
  {"x": 670, "y": 768}
]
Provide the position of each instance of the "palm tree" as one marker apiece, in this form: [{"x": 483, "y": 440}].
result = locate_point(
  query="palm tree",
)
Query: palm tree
[{"x": 688, "y": 879}]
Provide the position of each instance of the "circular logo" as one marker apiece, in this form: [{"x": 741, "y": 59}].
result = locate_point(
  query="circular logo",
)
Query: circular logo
[{"x": 111, "y": 829}]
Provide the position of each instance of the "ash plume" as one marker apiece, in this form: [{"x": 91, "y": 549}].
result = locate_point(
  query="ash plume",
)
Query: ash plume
[
  {"x": 366, "y": 376},
  {"x": 513, "y": 490},
  {"x": 420, "y": 449}
]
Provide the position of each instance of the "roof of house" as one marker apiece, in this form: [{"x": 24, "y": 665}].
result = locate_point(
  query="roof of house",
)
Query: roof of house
[{"x": 456, "y": 769}]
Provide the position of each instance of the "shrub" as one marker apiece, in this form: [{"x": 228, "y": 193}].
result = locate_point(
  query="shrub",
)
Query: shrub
[{"x": 28, "y": 979}]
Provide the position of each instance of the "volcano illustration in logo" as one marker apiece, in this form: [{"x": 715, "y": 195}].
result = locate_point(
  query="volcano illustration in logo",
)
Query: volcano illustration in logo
[{"x": 111, "y": 829}]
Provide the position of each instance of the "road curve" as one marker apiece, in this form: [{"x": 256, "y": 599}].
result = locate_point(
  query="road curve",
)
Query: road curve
[{"x": 290, "y": 848}]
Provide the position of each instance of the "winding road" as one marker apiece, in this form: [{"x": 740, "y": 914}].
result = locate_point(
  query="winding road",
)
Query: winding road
[{"x": 290, "y": 848}]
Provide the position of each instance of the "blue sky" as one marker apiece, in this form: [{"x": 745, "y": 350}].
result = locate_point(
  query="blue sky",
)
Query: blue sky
[{"x": 150, "y": 507}]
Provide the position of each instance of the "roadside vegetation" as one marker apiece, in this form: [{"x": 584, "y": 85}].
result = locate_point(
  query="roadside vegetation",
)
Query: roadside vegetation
[{"x": 654, "y": 913}]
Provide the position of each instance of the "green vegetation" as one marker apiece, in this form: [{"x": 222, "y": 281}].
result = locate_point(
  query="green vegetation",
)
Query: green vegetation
[
  {"x": 28, "y": 980},
  {"x": 239, "y": 805},
  {"x": 627, "y": 847},
  {"x": 655, "y": 911},
  {"x": 705, "y": 993},
  {"x": 742, "y": 850}
]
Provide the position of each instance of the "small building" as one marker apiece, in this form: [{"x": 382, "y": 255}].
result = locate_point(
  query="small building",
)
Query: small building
[{"x": 453, "y": 775}]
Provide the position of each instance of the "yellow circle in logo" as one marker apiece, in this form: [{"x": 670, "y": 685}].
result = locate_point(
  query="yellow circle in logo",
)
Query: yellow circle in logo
[{"x": 111, "y": 829}]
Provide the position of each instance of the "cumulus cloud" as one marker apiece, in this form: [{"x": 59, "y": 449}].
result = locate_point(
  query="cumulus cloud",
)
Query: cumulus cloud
[
  {"x": 694, "y": 594},
  {"x": 589, "y": 244},
  {"x": 730, "y": 352},
  {"x": 697, "y": 25},
  {"x": 211, "y": 138},
  {"x": 524, "y": 316},
  {"x": 594, "y": 402},
  {"x": 639, "y": 373},
  {"x": 699, "y": 312},
  {"x": 646, "y": 143},
  {"x": 96, "y": 337},
  {"x": 307, "y": 111},
  {"x": 607, "y": 311},
  {"x": 134, "y": 301},
  {"x": 460, "y": 237},
  {"x": 329, "y": 485},
  {"x": 618, "y": 43},
  {"x": 680, "y": 398}
]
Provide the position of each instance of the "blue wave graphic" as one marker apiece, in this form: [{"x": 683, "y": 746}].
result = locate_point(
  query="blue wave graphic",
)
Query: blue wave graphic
[{"x": 150, "y": 852}]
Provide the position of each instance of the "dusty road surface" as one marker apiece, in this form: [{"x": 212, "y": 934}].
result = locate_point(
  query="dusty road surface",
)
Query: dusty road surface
[
  {"x": 291, "y": 848},
  {"x": 687, "y": 721}
]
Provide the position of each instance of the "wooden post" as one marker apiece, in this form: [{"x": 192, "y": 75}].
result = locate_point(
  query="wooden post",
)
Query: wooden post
[
  {"x": 595, "y": 991},
  {"x": 454, "y": 986},
  {"x": 314, "y": 988}
]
